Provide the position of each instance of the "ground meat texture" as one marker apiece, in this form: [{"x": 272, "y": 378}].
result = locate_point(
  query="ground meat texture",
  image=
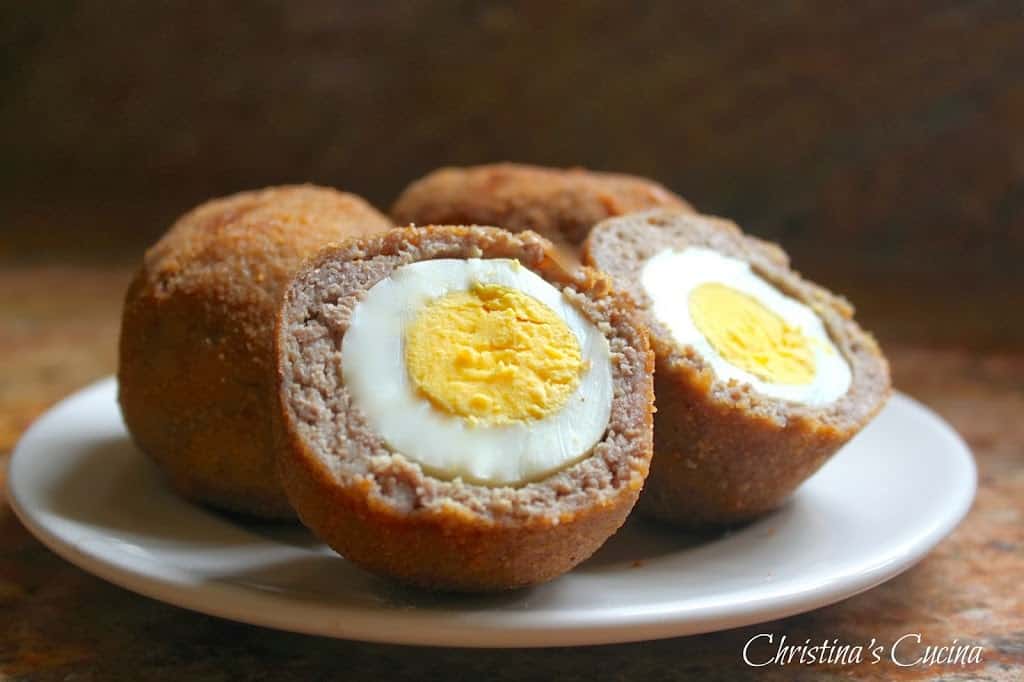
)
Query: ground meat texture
[
  {"x": 725, "y": 453},
  {"x": 196, "y": 365},
  {"x": 378, "y": 508},
  {"x": 560, "y": 204}
]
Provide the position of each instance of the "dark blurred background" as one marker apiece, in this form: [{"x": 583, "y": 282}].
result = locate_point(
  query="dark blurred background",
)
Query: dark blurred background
[{"x": 881, "y": 143}]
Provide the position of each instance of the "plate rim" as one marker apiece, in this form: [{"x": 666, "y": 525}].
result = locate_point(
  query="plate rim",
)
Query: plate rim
[{"x": 246, "y": 605}]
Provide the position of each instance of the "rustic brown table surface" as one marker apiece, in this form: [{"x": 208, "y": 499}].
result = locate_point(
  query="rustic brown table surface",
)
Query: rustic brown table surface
[{"x": 58, "y": 328}]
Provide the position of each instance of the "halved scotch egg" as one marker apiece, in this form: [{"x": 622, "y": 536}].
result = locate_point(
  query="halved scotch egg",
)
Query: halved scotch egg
[
  {"x": 459, "y": 412},
  {"x": 761, "y": 376}
]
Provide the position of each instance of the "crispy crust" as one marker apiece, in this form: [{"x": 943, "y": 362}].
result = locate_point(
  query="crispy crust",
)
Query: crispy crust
[
  {"x": 560, "y": 204},
  {"x": 723, "y": 452},
  {"x": 379, "y": 509},
  {"x": 195, "y": 364}
]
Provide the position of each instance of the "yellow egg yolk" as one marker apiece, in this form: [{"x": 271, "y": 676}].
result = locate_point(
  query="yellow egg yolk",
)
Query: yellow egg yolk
[
  {"x": 751, "y": 337},
  {"x": 493, "y": 355}
]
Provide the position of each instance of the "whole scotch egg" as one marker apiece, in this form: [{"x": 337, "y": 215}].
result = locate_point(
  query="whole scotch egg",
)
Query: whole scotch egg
[
  {"x": 562, "y": 204},
  {"x": 196, "y": 359},
  {"x": 459, "y": 412}
]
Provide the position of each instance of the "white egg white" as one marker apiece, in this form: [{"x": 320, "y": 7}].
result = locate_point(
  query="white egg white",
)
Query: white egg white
[
  {"x": 446, "y": 445},
  {"x": 670, "y": 276}
]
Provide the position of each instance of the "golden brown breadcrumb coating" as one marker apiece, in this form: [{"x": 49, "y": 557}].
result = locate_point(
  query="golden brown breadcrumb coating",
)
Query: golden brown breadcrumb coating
[
  {"x": 560, "y": 204},
  {"x": 196, "y": 363}
]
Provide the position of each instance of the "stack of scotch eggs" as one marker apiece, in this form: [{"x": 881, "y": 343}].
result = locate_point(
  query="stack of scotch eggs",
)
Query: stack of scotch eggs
[{"x": 477, "y": 398}]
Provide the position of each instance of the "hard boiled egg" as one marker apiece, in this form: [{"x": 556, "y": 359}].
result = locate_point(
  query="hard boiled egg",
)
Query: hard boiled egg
[
  {"x": 745, "y": 328},
  {"x": 478, "y": 369}
]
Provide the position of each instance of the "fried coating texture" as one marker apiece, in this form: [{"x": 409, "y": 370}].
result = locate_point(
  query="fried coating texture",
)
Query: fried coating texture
[
  {"x": 196, "y": 366},
  {"x": 560, "y": 204}
]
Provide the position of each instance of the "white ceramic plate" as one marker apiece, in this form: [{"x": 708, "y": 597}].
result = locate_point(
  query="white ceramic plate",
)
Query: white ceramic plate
[{"x": 81, "y": 487}]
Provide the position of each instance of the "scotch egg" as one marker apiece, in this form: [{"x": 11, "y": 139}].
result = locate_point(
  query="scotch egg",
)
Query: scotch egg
[
  {"x": 459, "y": 411},
  {"x": 196, "y": 358},
  {"x": 761, "y": 375}
]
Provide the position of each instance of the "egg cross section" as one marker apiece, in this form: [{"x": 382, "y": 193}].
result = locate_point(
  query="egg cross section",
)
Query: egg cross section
[
  {"x": 748, "y": 335},
  {"x": 493, "y": 355},
  {"x": 478, "y": 369},
  {"x": 745, "y": 329}
]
